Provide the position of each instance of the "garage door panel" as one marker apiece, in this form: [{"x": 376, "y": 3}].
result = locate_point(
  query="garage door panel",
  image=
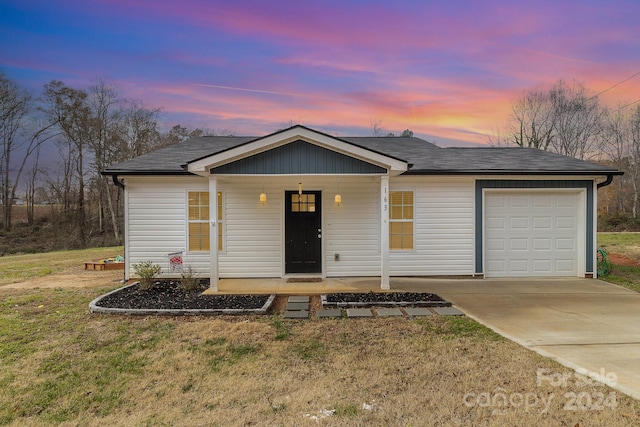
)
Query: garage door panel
[
  {"x": 531, "y": 234},
  {"x": 519, "y": 222},
  {"x": 541, "y": 244},
  {"x": 496, "y": 223},
  {"x": 566, "y": 245},
  {"x": 518, "y": 201},
  {"x": 496, "y": 265},
  {"x": 542, "y": 266},
  {"x": 542, "y": 223},
  {"x": 568, "y": 222},
  {"x": 543, "y": 201},
  {"x": 521, "y": 244},
  {"x": 565, "y": 265},
  {"x": 518, "y": 266},
  {"x": 495, "y": 244}
]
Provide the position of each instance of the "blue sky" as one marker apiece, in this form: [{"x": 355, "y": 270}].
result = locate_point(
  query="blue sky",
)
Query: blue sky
[{"x": 448, "y": 70}]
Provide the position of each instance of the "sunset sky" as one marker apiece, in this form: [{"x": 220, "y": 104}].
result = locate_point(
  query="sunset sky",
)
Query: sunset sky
[{"x": 448, "y": 70}]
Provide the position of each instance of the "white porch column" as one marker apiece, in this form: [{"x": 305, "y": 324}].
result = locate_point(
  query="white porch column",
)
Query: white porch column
[
  {"x": 213, "y": 233},
  {"x": 384, "y": 232}
]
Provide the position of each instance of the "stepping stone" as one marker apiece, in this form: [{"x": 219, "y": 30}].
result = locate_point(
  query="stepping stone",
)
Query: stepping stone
[
  {"x": 298, "y": 314},
  {"x": 298, "y": 299},
  {"x": 333, "y": 313},
  {"x": 448, "y": 311},
  {"x": 297, "y": 306},
  {"x": 418, "y": 311},
  {"x": 359, "y": 312},
  {"x": 388, "y": 312}
]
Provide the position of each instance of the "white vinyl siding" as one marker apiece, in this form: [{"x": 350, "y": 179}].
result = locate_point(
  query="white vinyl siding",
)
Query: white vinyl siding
[
  {"x": 156, "y": 221},
  {"x": 444, "y": 228},
  {"x": 253, "y": 230},
  {"x": 352, "y": 230}
]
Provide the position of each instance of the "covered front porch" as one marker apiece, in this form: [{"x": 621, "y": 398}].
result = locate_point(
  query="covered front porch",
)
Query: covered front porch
[{"x": 284, "y": 286}]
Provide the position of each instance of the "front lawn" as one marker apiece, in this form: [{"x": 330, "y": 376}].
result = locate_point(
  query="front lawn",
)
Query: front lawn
[{"x": 61, "y": 364}]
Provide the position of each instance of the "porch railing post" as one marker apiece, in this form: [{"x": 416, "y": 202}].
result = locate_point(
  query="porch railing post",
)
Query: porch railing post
[{"x": 384, "y": 232}]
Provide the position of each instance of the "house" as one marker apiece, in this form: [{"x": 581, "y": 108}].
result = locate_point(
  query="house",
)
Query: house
[{"x": 300, "y": 201}]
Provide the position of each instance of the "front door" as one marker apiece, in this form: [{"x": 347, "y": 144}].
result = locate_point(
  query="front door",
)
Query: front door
[{"x": 303, "y": 232}]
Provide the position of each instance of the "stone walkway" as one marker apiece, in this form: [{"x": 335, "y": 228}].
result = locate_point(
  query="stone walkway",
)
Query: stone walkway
[{"x": 298, "y": 308}]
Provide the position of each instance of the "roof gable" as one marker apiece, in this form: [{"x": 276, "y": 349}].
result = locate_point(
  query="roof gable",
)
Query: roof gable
[
  {"x": 298, "y": 157},
  {"x": 295, "y": 134}
]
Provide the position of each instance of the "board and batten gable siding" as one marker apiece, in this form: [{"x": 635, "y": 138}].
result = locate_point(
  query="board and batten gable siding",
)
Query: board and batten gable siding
[
  {"x": 156, "y": 223},
  {"x": 443, "y": 227}
]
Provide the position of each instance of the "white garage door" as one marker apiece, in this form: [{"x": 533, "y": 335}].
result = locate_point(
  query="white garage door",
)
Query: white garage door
[{"x": 532, "y": 234}]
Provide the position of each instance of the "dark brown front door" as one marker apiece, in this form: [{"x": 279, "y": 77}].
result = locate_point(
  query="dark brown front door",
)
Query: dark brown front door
[{"x": 303, "y": 232}]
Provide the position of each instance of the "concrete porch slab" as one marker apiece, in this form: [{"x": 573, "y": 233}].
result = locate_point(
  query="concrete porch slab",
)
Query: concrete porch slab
[
  {"x": 359, "y": 312},
  {"x": 333, "y": 313},
  {"x": 448, "y": 311},
  {"x": 418, "y": 311},
  {"x": 299, "y": 298},
  {"x": 296, "y": 306},
  {"x": 388, "y": 312},
  {"x": 297, "y": 314}
]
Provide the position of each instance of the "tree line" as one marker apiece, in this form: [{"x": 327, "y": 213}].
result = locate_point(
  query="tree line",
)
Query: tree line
[
  {"x": 55, "y": 146},
  {"x": 567, "y": 119}
]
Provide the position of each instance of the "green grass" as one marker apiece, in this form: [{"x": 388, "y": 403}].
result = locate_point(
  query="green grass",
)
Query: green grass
[
  {"x": 628, "y": 245},
  {"x": 615, "y": 239},
  {"x": 62, "y": 365},
  {"x": 18, "y": 268}
]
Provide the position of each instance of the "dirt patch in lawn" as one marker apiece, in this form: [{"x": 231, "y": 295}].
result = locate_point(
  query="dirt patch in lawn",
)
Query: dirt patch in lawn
[
  {"x": 618, "y": 259},
  {"x": 78, "y": 278}
]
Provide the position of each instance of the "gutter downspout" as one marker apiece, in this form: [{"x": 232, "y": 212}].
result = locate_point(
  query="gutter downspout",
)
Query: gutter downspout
[
  {"x": 121, "y": 184},
  {"x": 606, "y": 182}
]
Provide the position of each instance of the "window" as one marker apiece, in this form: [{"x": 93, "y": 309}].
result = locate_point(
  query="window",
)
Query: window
[
  {"x": 401, "y": 220},
  {"x": 303, "y": 202},
  {"x": 199, "y": 221}
]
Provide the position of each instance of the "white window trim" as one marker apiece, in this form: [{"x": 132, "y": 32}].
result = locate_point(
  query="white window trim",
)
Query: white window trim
[
  {"x": 397, "y": 190},
  {"x": 221, "y": 222}
]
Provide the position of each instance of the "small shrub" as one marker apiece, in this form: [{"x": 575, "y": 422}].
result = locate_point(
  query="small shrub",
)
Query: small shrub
[
  {"x": 189, "y": 279},
  {"x": 147, "y": 272}
]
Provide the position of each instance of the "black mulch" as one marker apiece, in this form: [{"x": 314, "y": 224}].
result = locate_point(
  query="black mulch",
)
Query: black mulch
[
  {"x": 168, "y": 294},
  {"x": 387, "y": 297}
]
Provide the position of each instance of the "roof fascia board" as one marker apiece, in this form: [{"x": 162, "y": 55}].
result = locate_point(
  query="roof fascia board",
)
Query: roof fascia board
[
  {"x": 290, "y": 135},
  {"x": 511, "y": 172}
]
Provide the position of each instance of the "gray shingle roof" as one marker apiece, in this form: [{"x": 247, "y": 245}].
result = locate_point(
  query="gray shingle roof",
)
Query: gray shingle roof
[
  {"x": 423, "y": 156},
  {"x": 505, "y": 160}
]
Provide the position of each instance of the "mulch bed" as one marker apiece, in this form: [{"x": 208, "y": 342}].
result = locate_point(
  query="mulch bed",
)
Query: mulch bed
[
  {"x": 384, "y": 298},
  {"x": 168, "y": 294}
]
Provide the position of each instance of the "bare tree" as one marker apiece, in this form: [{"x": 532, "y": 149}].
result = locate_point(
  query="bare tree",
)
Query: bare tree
[
  {"x": 18, "y": 137},
  {"x": 577, "y": 120},
  {"x": 532, "y": 121},
  {"x": 140, "y": 130},
  {"x": 376, "y": 128},
  {"x": 30, "y": 192},
  {"x": 565, "y": 120},
  {"x": 67, "y": 109}
]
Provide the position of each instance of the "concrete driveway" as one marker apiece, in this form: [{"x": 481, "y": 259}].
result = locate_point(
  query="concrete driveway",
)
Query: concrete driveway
[{"x": 581, "y": 323}]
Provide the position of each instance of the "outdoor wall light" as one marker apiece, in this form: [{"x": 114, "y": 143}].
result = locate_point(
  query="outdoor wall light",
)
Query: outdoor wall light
[
  {"x": 263, "y": 198},
  {"x": 300, "y": 189},
  {"x": 338, "y": 200}
]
